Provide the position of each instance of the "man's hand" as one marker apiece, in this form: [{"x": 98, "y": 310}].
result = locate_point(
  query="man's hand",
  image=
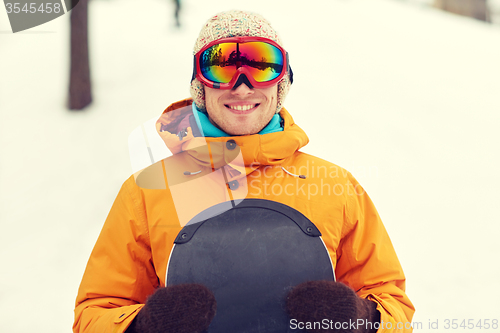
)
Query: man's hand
[
  {"x": 332, "y": 302},
  {"x": 184, "y": 308}
]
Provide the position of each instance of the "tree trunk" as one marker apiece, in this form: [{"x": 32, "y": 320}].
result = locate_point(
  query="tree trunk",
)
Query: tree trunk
[
  {"x": 80, "y": 94},
  {"x": 477, "y": 9}
]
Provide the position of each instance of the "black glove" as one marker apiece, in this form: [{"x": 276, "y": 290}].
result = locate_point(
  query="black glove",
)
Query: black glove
[
  {"x": 184, "y": 308},
  {"x": 332, "y": 302}
]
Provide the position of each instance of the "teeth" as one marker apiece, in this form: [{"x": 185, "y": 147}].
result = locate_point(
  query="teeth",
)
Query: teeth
[{"x": 242, "y": 107}]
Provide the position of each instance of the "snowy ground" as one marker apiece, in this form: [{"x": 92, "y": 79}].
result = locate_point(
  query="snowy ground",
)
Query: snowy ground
[{"x": 404, "y": 96}]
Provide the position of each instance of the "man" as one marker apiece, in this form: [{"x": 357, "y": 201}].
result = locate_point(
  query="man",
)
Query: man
[{"x": 235, "y": 141}]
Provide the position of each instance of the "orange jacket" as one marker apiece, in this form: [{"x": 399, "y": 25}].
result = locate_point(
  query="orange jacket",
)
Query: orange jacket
[{"x": 130, "y": 258}]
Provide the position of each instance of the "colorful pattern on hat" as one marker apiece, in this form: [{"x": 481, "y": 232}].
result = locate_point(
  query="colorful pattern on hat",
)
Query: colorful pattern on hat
[{"x": 230, "y": 24}]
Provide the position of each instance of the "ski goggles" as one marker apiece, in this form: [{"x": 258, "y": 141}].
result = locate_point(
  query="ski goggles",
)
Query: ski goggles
[{"x": 220, "y": 64}]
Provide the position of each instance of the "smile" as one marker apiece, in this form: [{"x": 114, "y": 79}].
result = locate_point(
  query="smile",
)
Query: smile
[{"x": 242, "y": 107}]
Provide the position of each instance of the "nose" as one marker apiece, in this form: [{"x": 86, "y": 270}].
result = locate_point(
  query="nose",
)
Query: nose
[
  {"x": 242, "y": 79},
  {"x": 242, "y": 91}
]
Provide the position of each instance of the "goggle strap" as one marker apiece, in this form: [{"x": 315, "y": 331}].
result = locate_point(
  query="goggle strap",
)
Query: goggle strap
[
  {"x": 290, "y": 73},
  {"x": 194, "y": 68}
]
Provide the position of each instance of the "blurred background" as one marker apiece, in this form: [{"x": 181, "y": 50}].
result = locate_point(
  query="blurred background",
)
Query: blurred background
[{"x": 404, "y": 94}]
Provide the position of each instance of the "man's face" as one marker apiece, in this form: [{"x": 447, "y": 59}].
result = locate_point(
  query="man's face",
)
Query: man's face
[{"x": 241, "y": 111}]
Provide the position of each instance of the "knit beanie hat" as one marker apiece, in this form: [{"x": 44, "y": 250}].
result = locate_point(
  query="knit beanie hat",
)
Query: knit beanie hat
[{"x": 231, "y": 24}]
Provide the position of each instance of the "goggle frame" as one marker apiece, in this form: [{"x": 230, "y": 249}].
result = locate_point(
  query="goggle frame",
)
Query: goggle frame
[{"x": 197, "y": 73}]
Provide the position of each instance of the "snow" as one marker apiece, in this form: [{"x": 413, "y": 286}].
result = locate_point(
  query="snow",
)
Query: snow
[{"x": 403, "y": 95}]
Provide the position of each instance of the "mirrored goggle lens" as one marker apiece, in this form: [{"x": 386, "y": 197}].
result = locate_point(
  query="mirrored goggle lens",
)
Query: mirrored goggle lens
[{"x": 220, "y": 62}]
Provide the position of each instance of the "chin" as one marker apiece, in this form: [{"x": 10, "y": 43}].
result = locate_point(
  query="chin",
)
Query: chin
[
  {"x": 241, "y": 131},
  {"x": 238, "y": 133}
]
